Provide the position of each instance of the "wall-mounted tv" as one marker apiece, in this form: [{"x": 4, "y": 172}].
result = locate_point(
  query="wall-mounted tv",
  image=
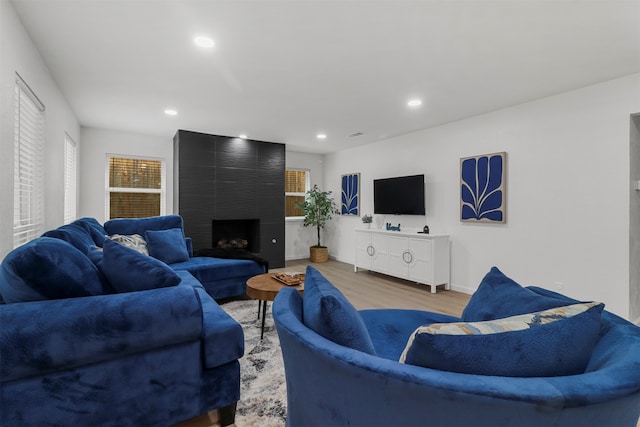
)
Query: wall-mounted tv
[{"x": 402, "y": 195}]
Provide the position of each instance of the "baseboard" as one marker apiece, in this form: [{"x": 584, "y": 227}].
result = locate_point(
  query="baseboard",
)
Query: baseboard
[
  {"x": 335, "y": 258},
  {"x": 462, "y": 289},
  {"x": 297, "y": 258}
]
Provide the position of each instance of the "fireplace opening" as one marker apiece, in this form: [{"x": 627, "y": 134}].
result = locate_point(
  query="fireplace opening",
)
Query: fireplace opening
[{"x": 236, "y": 234}]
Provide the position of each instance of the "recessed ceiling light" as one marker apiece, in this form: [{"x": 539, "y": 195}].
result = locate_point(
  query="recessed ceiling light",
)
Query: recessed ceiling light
[
  {"x": 243, "y": 136},
  {"x": 414, "y": 103},
  {"x": 170, "y": 112},
  {"x": 321, "y": 136},
  {"x": 204, "y": 41}
]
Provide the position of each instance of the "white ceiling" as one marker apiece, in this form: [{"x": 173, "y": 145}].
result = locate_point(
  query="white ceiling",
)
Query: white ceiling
[{"x": 284, "y": 71}]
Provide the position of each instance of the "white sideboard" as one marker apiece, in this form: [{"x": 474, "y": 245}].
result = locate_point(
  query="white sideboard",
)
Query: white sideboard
[{"x": 422, "y": 258}]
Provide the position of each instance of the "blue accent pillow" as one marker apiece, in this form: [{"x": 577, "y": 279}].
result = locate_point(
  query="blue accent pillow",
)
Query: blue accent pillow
[
  {"x": 167, "y": 245},
  {"x": 75, "y": 234},
  {"x": 554, "y": 342},
  {"x": 96, "y": 255},
  {"x": 499, "y": 296},
  {"x": 49, "y": 268},
  {"x": 96, "y": 230},
  {"x": 128, "y": 270},
  {"x": 327, "y": 312}
]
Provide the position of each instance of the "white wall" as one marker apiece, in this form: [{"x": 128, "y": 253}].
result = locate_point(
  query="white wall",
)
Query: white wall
[
  {"x": 298, "y": 237},
  {"x": 20, "y": 55},
  {"x": 567, "y": 223},
  {"x": 634, "y": 222},
  {"x": 97, "y": 144}
]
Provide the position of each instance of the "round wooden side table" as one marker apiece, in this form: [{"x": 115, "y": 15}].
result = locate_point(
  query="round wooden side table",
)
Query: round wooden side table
[{"x": 264, "y": 287}]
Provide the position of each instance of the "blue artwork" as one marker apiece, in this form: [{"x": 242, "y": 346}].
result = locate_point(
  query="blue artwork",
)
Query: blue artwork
[
  {"x": 482, "y": 188},
  {"x": 350, "y": 194}
]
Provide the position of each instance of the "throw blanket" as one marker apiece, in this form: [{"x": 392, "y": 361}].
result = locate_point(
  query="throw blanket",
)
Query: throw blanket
[{"x": 232, "y": 253}]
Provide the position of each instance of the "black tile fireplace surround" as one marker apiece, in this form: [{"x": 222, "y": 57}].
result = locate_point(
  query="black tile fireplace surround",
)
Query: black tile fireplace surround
[
  {"x": 225, "y": 230},
  {"x": 230, "y": 179}
]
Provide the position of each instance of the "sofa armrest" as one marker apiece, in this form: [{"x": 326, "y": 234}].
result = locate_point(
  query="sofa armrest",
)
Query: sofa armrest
[
  {"x": 45, "y": 336},
  {"x": 222, "y": 336}
]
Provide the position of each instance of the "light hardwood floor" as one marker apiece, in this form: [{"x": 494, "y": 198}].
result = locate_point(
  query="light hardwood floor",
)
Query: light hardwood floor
[{"x": 366, "y": 290}]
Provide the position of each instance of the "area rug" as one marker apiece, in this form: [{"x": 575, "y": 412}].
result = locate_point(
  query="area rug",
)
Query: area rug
[{"x": 263, "y": 392}]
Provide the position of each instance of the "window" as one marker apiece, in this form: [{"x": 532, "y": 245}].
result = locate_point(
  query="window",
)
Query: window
[
  {"x": 70, "y": 179},
  {"x": 136, "y": 187},
  {"x": 28, "y": 175},
  {"x": 296, "y": 184}
]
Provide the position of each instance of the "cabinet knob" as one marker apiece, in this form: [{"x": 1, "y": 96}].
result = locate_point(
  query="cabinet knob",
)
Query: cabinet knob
[
  {"x": 407, "y": 257},
  {"x": 371, "y": 251}
]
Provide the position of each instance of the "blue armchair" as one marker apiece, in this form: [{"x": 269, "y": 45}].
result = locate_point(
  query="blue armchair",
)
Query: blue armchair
[{"x": 355, "y": 379}]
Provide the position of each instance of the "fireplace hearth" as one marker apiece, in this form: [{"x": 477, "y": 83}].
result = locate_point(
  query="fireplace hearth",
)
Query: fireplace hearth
[{"x": 236, "y": 233}]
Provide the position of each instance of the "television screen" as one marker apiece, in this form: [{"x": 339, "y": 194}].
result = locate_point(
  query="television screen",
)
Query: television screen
[{"x": 399, "y": 196}]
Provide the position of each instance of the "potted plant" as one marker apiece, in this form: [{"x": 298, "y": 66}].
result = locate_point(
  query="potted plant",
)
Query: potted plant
[
  {"x": 367, "y": 220},
  {"x": 318, "y": 207}
]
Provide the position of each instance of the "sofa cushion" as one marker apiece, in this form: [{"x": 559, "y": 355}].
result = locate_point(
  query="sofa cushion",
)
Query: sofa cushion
[
  {"x": 129, "y": 270},
  {"x": 390, "y": 328},
  {"x": 207, "y": 269},
  {"x": 75, "y": 234},
  {"x": 554, "y": 342},
  {"x": 49, "y": 268},
  {"x": 330, "y": 314},
  {"x": 167, "y": 245},
  {"x": 499, "y": 296},
  {"x": 52, "y": 336},
  {"x": 96, "y": 255},
  {"x": 140, "y": 225},
  {"x": 96, "y": 230}
]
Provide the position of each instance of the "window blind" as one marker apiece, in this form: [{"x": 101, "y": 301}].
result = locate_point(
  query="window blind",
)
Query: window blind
[
  {"x": 136, "y": 187},
  {"x": 70, "y": 179},
  {"x": 28, "y": 191},
  {"x": 296, "y": 184}
]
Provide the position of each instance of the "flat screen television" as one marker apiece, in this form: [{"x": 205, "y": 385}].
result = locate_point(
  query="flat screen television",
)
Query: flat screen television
[{"x": 402, "y": 195}]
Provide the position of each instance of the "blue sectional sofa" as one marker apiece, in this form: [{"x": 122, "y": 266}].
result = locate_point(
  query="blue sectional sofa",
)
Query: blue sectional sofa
[
  {"x": 97, "y": 334},
  {"x": 576, "y": 365},
  {"x": 221, "y": 278}
]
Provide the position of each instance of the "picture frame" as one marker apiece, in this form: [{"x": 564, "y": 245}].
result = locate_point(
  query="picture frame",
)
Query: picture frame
[
  {"x": 350, "y": 194},
  {"x": 483, "y": 188}
]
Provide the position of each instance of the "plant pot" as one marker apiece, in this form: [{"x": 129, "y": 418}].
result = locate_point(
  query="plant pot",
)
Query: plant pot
[{"x": 318, "y": 254}]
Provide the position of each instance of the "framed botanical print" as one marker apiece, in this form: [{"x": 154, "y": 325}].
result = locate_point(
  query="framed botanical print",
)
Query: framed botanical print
[
  {"x": 483, "y": 188},
  {"x": 350, "y": 185}
]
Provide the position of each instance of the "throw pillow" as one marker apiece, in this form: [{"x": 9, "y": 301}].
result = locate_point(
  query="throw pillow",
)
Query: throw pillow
[
  {"x": 499, "y": 296},
  {"x": 167, "y": 245},
  {"x": 132, "y": 241},
  {"x": 96, "y": 231},
  {"x": 49, "y": 268},
  {"x": 74, "y": 234},
  {"x": 96, "y": 255},
  {"x": 553, "y": 342},
  {"x": 327, "y": 312},
  {"x": 128, "y": 270}
]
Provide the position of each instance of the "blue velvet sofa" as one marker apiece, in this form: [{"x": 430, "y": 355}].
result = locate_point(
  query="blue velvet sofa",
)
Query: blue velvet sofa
[
  {"x": 93, "y": 333},
  {"x": 342, "y": 365}
]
